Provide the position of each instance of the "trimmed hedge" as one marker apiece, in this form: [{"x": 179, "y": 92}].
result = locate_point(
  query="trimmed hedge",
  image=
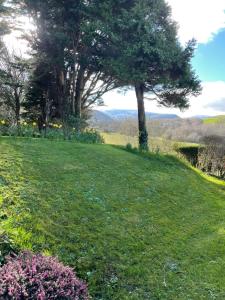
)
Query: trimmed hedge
[{"x": 190, "y": 153}]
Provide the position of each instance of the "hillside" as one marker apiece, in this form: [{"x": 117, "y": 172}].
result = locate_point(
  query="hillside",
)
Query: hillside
[
  {"x": 215, "y": 120},
  {"x": 134, "y": 227},
  {"x": 129, "y": 113},
  {"x": 99, "y": 120}
]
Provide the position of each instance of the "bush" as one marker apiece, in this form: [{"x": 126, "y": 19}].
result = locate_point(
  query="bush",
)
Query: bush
[
  {"x": 190, "y": 153},
  {"x": 29, "y": 276},
  {"x": 88, "y": 136},
  {"x": 52, "y": 132},
  {"x": 129, "y": 147},
  {"x": 7, "y": 245},
  {"x": 211, "y": 159}
]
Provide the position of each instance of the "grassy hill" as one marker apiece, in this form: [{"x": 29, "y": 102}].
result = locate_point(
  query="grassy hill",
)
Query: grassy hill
[
  {"x": 215, "y": 120},
  {"x": 134, "y": 227}
]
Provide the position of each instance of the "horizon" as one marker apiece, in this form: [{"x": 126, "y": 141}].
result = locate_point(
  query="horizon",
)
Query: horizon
[{"x": 104, "y": 109}]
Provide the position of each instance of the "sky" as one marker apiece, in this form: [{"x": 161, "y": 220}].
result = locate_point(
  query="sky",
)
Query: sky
[{"x": 203, "y": 20}]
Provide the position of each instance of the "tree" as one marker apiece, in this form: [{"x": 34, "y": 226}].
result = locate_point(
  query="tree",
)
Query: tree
[
  {"x": 39, "y": 95},
  {"x": 70, "y": 42},
  {"x": 13, "y": 77},
  {"x": 145, "y": 54}
]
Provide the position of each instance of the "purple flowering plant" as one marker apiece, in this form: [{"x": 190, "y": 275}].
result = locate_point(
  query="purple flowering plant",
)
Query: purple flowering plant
[{"x": 34, "y": 276}]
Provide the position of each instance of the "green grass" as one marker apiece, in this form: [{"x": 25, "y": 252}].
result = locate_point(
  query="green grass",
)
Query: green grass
[
  {"x": 156, "y": 144},
  {"x": 215, "y": 120},
  {"x": 134, "y": 227}
]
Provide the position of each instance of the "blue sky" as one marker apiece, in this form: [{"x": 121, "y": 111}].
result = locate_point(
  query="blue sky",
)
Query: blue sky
[{"x": 209, "y": 60}]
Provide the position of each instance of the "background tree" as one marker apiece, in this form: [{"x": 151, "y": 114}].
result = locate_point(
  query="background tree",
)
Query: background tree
[{"x": 13, "y": 78}]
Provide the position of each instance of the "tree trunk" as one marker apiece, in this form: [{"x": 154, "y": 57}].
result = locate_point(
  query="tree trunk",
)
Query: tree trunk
[
  {"x": 143, "y": 134},
  {"x": 78, "y": 95},
  {"x": 61, "y": 94},
  {"x": 17, "y": 109}
]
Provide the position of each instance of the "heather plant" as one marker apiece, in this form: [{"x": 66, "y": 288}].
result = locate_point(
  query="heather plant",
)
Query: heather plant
[{"x": 30, "y": 276}]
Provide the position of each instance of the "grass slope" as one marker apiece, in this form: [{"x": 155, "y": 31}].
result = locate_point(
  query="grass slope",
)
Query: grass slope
[
  {"x": 156, "y": 144},
  {"x": 215, "y": 120},
  {"x": 134, "y": 227}
]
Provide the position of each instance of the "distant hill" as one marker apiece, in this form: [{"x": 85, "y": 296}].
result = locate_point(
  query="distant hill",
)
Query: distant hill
[
  {"x": 98, "y": 116},
  {"x": 124, "y": 114},
  {"x": 215, "y": 120},
  {"x": 202, "y": 117}
]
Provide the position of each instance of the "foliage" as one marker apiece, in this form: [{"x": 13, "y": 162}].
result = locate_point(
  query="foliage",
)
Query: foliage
[
  {"x": 13, "y": 77},
  {"x": 53, "y": 131},
  {"x": 190, "y": 153},
  {"x": 7, "y": 245},
  {"x": 211, "y": 158},
  {"x": 88, "y": 137},
  {"x": 29, "y": 276},
  {"x": 129, "y": 146},
  {"x": 134, "y": 227},
  {"x": 68, "y": 46}
]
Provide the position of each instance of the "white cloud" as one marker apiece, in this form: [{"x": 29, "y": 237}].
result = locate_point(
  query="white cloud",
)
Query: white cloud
[
  {"x": 201, "y": 19},
  {"x": 205, "y": 104}
]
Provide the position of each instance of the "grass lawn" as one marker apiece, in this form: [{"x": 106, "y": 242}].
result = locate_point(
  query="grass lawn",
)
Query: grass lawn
[
  {"x": 156, "y": 144},
  {"x": 133, "y": 227}
]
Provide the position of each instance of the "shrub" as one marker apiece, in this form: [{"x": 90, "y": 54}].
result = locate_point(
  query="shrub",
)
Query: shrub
[
  {"x": 129, "y": 146},
  {"x": 7, "y": 245},
  {"x": 190, "y": 153},
  {"x": 52, "y": 132},
  {"x": 211, "y": 159},
  {"x": 89, "y": 136},
  {"x": 29, "y": 276}
]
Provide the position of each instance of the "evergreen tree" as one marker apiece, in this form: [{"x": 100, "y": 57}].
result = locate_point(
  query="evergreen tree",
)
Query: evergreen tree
[
  {"x": 147, "y": 55},
  {"x": 69, "y": 40}
]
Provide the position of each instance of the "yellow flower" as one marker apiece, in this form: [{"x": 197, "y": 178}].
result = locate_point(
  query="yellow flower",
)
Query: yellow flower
[
  {"x": 60, "y": 126},
  {"x": 25, "y": 123},
  {"x": 34, "y": 124},
  {"x": 3, "y": 122}
]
